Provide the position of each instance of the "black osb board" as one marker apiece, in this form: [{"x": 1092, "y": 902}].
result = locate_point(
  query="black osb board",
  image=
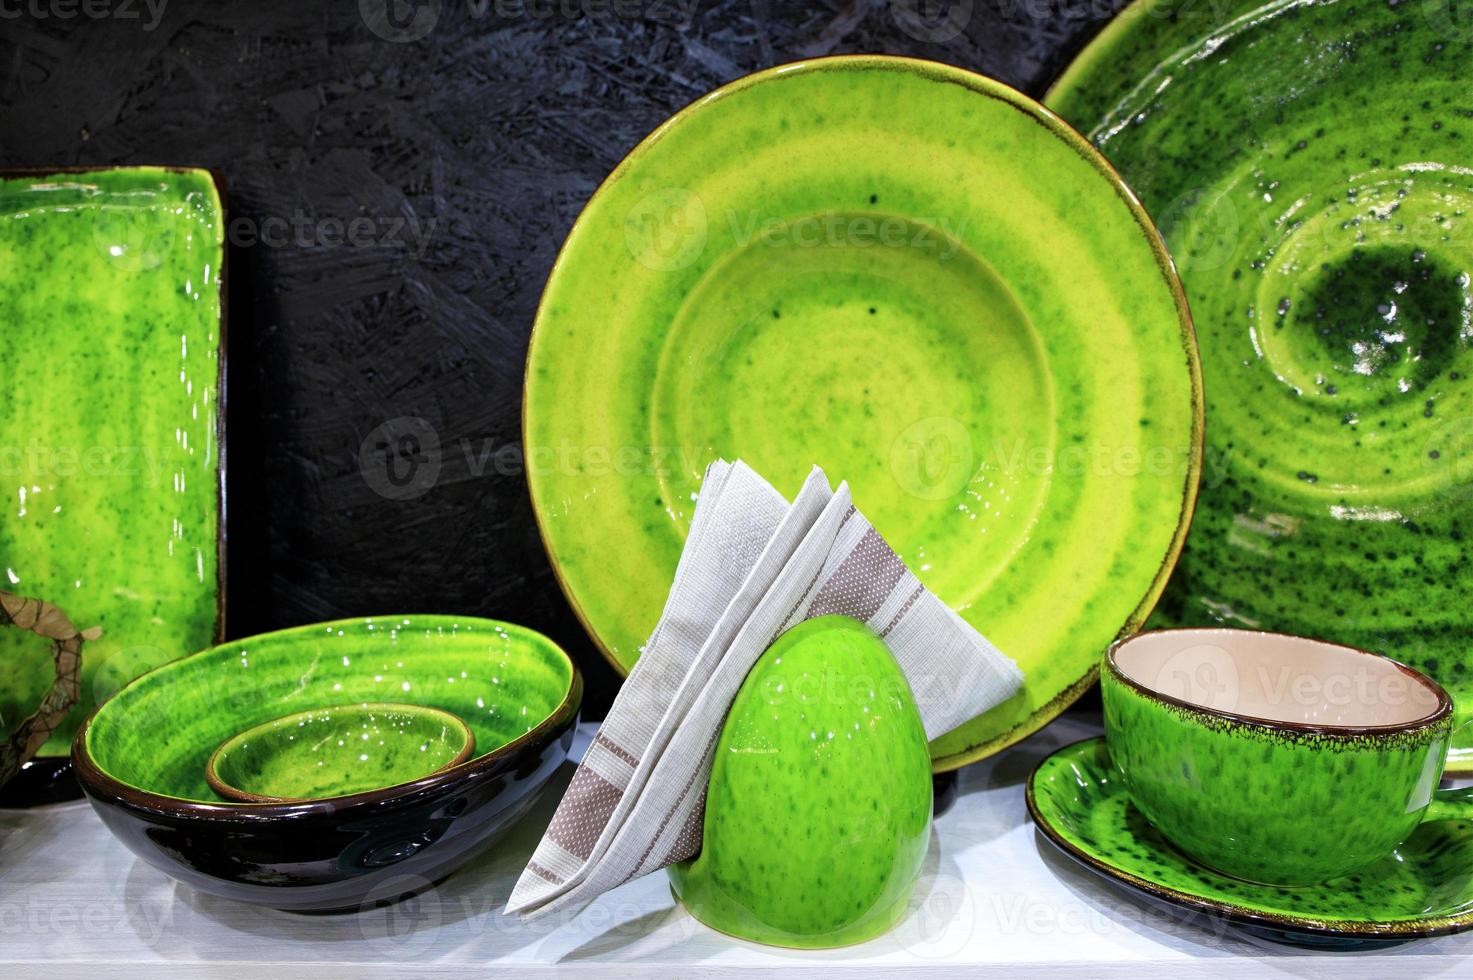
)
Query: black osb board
[{"x": 468, "y": 152}]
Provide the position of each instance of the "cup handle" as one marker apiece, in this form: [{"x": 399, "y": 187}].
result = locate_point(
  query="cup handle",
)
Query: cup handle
[{"x": 1451, "y": 804}]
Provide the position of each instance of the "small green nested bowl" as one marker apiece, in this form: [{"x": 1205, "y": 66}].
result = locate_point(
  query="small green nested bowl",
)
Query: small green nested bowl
[
  {"x": 329, "y": 752},
  {"x": 141, "y": 757}
]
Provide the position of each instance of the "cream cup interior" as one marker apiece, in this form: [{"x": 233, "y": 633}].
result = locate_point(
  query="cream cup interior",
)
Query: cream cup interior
[{"x": 1277, "y": 678}]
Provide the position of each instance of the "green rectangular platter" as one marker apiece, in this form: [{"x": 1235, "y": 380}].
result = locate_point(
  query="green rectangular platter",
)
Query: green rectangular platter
[{"x": 111, "y": 452}]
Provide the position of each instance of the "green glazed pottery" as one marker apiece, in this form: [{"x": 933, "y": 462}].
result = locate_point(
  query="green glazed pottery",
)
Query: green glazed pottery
[
  {"x": 142, "y": 756},
  {"x": 27, "y": 734},
  {"x": 1080, "y": 804},
  {"x": 1275, "y": 758},
  {"x": 110, "y": 453},
  {"x": 916, "y": 278},
  {"x": 502, "y": 680},
  {"x": 818, "y": 811},
  {"x": 337, "y": 751},
  {"x": 1308, "y": 164}
]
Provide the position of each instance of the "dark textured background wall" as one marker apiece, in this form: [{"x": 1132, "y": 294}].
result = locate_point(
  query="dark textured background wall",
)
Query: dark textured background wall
[{"x": 466, "y": 134}]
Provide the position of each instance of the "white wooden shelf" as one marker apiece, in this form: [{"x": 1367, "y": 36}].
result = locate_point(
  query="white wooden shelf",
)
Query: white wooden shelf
[{"x": 995, "y": 900}]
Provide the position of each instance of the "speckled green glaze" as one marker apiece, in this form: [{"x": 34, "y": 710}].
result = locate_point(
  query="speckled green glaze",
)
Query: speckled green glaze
[
  {"x": 818, "y": 811},
  {"x": 1308, "y": 164},
  {"x": 1271, "y": 803},
  {"x": 915, "y": 278},
  {"x": 336, "y": 751},
  {"x": 158, "y": 733},
  {"x": 110, "y": 338},
  {"x": 1080, "y": 803}
]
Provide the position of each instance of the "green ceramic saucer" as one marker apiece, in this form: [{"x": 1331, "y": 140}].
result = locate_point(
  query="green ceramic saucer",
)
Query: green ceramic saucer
[
  {"x": 1309, "y": 166},
  {"x": 916, "y": 278},
  {"x": 337, "y": 751},
  {"x": 110, "y": 457},
  {"x": 1423, "y": 889}
]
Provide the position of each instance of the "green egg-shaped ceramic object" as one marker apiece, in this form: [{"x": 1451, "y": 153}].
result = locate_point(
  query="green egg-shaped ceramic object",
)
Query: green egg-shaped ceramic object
[{"x": 818, "y": 811}]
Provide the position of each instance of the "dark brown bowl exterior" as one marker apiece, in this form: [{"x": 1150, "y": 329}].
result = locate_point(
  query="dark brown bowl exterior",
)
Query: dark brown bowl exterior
[{"x": 327, "y": 856}]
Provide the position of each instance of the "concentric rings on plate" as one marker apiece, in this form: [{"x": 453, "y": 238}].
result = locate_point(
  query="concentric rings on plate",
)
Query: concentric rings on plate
[{"x": 919, "y": 280}]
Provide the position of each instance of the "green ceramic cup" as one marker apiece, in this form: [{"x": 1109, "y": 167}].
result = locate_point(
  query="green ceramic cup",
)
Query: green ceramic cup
[
  {"x": 337, "y": 751},
  {"x": 1274, "y": 758}
]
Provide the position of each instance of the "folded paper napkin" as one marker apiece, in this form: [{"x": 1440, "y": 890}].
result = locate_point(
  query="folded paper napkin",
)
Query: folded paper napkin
[{"x": 753, "y": 566}]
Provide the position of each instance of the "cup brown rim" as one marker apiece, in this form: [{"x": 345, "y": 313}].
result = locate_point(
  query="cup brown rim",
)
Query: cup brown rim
[{"x": 1438, "y": 714}]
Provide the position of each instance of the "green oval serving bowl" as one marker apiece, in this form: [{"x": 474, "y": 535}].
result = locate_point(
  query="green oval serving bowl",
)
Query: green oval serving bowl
[
  {"x": 141, "y": 757},
  {"x": 1309, "y": 166},
  {"x": 916, "y": 278}
]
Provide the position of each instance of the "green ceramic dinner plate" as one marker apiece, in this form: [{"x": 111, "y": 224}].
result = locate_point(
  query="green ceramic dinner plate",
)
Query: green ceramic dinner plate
[
  {"x": 1308, "y": 164},
  {"x": 1423, "y": 889},
  {"x": 916, "y": 278},
  {"x": 110, "y": 456}
]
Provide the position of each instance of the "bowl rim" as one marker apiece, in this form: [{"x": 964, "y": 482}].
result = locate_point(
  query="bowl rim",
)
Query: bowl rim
[
  {"x": 1432, "y": 719},
  {"x": 449, "y": 719},
  {"x": 99, "y": 784},
  {"x": 975, "y": 81}
]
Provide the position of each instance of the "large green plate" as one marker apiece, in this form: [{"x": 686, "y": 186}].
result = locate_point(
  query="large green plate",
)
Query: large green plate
[
  {"x": 110, "y": 338},
  {"x": 1309, "y": 164},
  {"x": 921, "y": 281}
]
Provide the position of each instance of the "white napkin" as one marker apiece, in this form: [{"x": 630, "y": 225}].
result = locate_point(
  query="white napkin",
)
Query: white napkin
[{"x": 752, "y": 567}]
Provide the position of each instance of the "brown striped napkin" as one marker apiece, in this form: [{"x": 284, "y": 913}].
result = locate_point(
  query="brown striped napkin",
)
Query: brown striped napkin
[{"x": 753, "y": 566}]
